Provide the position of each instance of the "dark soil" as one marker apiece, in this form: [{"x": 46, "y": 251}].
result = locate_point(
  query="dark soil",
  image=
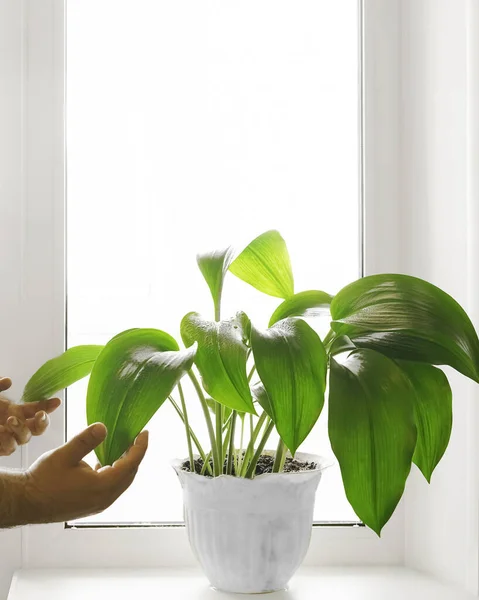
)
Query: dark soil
[{"x": 265, "y": 465}]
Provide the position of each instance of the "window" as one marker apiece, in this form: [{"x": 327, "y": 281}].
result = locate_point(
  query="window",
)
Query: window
[
  {"x": 193, "y": 125},
  {"x": 412, "y": 57}
]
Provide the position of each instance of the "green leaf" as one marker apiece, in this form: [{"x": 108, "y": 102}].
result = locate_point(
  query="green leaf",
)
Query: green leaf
[
  {"x": 407, "y": 318},
  {"x": 242, "y": 320},
  {"x": 372, "y": 432},
  {"x": 291, "y": 363},
  {"x": 304, "y": 304},
  {"x": 134, "y": 374},
  {"x": 262, "y": 398},
  {"x": 214, "y": 266},
  {"x": 265, "y": 265},
  {"x": 341, "y": 344},
  {"x": 60, "y": 372},
  {"x": 432, "y": 413},
  {"x": 221, "y": 358}
]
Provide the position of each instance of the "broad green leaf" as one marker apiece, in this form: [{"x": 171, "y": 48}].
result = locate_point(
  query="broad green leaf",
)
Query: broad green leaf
[
  {"x": 134, "y": 374},
  {"x": 221, "y": 358},
  {"x": 214, "y": 266},
  {"x": 432, "y": 412},
  {"x": 407, "y": 318},
  {"x": 372, "y": 432},
  {"x": 242, "y": 320},
  {"x": 265, "y": 265},
  {"x": 291, "y": 363},
  {"x": 262, "y": 398},
  {"x": 304, "y": 304},
  {"x": 60, "y": 372},
  {"x": 341, "y": 344}
]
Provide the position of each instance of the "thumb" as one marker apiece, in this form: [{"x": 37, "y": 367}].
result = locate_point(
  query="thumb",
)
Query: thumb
[
  {"x": 83, "y": 443},
  {"x": 5, "y": 383}
]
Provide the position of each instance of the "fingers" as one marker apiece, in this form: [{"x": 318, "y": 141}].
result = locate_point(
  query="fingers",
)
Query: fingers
[
  {"x": 82, "y": 444},
  {"x": 30, "y": 409},
  {"x": 5, "y": 383},
  {"x": 39, "y": 423},
  {"x": 34, "y": 414},
  {"x": 132, "y": 459},
  {"x": 17, "y": 432},
  {"x": 8, "y": 445},
  {"x": 20, "y": 430},
  {"x": 124, "y": 469}
]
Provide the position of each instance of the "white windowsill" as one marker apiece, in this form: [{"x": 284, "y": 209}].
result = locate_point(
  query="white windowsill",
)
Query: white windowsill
[{"x": 340, "y": 583}]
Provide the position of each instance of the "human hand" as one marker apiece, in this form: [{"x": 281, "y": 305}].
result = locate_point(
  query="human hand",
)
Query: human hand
[
  {"x": 60, "y": 486},
  {"x": 18, "y": 422}
]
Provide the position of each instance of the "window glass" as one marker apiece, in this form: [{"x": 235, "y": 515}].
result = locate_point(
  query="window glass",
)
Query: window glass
[{"x": 192, "y": 125}]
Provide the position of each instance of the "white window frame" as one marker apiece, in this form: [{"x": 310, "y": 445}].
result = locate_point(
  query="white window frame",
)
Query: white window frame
[
  {"x": 36, "y": 227},
  {"x": 43, "y": 279}
]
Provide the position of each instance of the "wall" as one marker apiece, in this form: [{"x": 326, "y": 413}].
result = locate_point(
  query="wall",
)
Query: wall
[
  {"x": 11, "y": 136},
  {"x": 31, "y": 131},
  {"x": 441, "y": 531}
]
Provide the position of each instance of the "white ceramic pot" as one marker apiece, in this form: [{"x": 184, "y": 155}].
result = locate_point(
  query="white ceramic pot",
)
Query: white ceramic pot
[{"x": 250, "y": 535}]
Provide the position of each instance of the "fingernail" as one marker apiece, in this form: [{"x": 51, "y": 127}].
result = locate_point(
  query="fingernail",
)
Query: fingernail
[
  {"x": 14, "y": 422},
  {"x": 99, "y": 430},
  {"x": 144, "y": 434},
  {"x": 43, "y": 416}
]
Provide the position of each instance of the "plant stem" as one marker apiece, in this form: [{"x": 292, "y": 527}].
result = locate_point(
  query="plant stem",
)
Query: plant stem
[
  {"x": 251, "y": 373},
  {"x": 250, "y": 448},
  {"x": 252, "y": 467},
  {"x": 226, "y": 445},
  {"x": 209, "y": 423},
  {"x": 239, "y": 462},
  {"x": 219, "y": 407},
  {"x": 206, "y": 465},
  {"x": 328, "y": 340},
  {"x": 187, "y": 428},
  {"x": 280, "y": 457},
  {"x": 226, "y": 424},
  {"x": 231, "y": 449},
  {"x": 219, "y": 432},
  {"x": 196, "y": 441}
]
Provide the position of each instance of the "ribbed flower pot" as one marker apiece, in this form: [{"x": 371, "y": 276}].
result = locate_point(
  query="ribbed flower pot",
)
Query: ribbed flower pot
[{"x": 250, "y": 535}]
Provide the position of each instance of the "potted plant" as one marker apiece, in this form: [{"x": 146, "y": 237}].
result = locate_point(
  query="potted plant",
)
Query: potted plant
[{"x": 248, "y": 510}]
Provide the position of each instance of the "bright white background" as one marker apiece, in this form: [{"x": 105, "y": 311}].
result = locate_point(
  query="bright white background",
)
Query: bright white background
[
  {"x": 191, "y": 126},
  {"x": 420, "y": 181}
]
